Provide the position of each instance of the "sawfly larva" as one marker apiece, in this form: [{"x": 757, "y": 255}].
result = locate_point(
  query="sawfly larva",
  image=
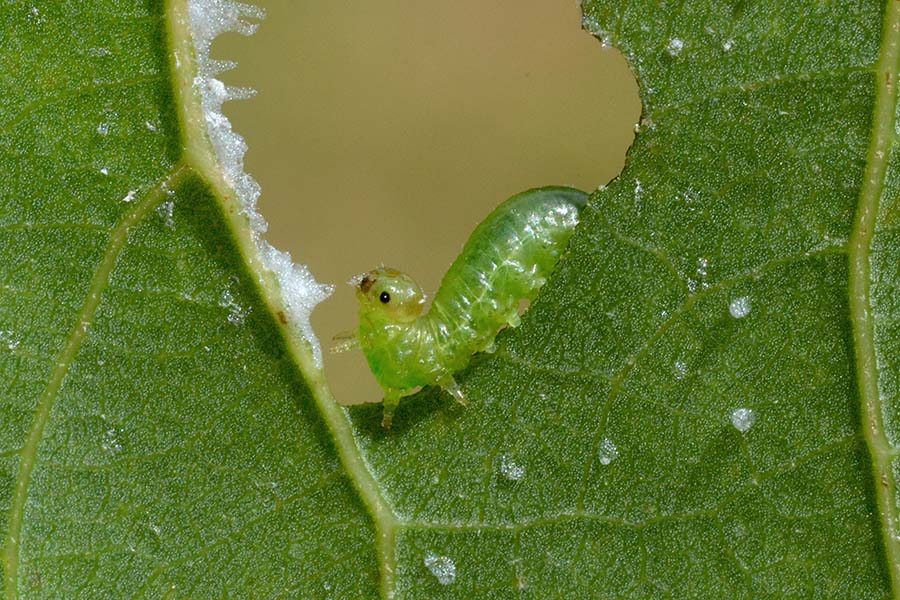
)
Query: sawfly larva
[{"x": 506, "y": 259}]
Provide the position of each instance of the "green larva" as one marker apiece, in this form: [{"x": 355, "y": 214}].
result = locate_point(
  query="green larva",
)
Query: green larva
[{"x": 507, "y": 259}]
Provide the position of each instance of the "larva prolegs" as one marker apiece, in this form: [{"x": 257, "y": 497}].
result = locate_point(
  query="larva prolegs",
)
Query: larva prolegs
[
  {"x": 391, "y": 401},
  {"x": 450, "y": 386}
]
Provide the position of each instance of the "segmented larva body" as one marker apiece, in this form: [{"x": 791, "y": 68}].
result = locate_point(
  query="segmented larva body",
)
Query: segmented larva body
[{"x": 506, "y": 259}]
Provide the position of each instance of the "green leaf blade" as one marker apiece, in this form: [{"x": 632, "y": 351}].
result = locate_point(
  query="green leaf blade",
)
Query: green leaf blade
[
  {"x": 167, "y": 435},
  {"x": 144, "y": 369},
  {"x": 742, "y": 187}
]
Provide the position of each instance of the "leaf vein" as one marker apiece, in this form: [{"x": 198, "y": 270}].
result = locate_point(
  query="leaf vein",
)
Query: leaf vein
[{"x": 28, "y": 460}]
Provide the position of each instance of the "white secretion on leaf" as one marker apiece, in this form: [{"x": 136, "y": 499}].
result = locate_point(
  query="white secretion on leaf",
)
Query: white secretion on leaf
[
  {"x": 511, "y": 469},
  {"x": 166, "y": 212},
  {"x": 300, "y": 292},
  {"x": 608, "y": 452},
  {"x": 675, "y": 46},
  {"x": 702, "y": 267},
  {"x": 110, "y": 441},
  {"x": 236, "y": 313},
  {"x": 442, "y": 567},
  {"x": 739, "y": 307},
  {"x": 591, "y": 24},
  {"x": 743, "y": 419},
  {"x": 9, "y": 340}
]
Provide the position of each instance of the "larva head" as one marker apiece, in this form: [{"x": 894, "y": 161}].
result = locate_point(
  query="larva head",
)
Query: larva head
[{"x": 390, "y": 293}]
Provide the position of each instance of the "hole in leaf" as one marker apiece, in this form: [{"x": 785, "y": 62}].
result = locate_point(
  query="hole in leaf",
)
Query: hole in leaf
[{"x": 385, "y": 135}]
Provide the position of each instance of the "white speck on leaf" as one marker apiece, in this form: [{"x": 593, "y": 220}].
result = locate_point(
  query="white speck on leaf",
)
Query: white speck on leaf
[
  {"x": 510, "y": 469},
  {"x": 675, "y": 47},
  {"x": 590, "y": 24},
  {"x": 702, "y": 267},
  {"x": 607, "y": 452},
  {"x": 442, "y": 567},
  {"x": 130, "y": 196},
  {"x": 743, "y": 419},
  {"x": 236, "y": 313},
  {"x": 8, "y": 339},
  {"x": 739, "y": 307},
  {"x": 166, "y": 212},
  {"x": 110, "y": 442}
]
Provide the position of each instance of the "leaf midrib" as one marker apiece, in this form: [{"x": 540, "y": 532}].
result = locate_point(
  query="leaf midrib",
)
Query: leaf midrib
[
  {"x": 201, "y": 156},
  {"x": 860, "y": 308}
]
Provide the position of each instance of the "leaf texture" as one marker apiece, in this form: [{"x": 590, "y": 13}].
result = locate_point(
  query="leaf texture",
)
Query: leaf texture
[{"x": 702, "y": 403}]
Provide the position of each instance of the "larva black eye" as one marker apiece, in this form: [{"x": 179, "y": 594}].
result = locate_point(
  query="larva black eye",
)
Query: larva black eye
[{"x": 384, "y": 297}]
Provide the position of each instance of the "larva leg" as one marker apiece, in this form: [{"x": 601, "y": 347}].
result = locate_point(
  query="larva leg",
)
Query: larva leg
[
  {"x": 344, "y": 342},
  {"x": 451, "y": 387},
  {"x": 391, "y": 400}
]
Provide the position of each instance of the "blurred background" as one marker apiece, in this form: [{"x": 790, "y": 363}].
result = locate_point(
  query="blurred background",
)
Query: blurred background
[{"x": 384, "y": 132}]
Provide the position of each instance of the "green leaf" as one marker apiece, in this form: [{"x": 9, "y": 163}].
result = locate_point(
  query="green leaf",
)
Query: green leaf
[
  {"x": 159, "y": 439},
  {"x": 711, "y": 276},
  {"x": 168, "y": 434}
]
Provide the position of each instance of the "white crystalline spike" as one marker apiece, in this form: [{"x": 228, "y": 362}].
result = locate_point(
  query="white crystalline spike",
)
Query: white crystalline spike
[
  {"x": 209, "y": 18},
  {"x": 215, "y": 67},
  {"x": 743, "y": 419},
  {"x": 239, "y": 93},
  {"x": 442, "y": 567},
  {"x": 299, "y": 290}
]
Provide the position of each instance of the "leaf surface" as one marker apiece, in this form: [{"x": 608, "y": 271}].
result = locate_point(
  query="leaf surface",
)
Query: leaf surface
[{"x": 167, "y": 435}]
